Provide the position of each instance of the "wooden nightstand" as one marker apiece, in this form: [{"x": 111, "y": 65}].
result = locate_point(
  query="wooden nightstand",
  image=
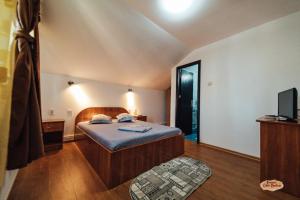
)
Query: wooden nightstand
[
  {"x": 53, "y": 132},
  {"x": 141, "y": 118}
]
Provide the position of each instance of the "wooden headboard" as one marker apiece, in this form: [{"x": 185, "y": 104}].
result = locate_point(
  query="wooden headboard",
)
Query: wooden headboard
[{"x": 86, "y": 114}]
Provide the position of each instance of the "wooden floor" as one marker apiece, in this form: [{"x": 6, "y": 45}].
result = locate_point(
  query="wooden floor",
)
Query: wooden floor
[{"x": 67, "y": 175}]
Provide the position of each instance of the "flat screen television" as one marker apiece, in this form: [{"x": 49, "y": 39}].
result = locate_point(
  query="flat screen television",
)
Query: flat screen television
[{"x": 287, "y": 104}]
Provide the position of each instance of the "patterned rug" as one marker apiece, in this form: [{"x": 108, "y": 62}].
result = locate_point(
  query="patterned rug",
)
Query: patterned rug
[{"x": 175, "y": 179}]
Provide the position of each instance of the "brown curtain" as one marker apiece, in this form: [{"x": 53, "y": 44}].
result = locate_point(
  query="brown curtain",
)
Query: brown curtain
[{"x": 25, "y": 139}]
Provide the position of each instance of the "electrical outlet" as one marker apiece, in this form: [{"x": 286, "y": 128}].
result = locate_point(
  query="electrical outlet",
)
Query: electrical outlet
[{"x": 69, "y": 113}]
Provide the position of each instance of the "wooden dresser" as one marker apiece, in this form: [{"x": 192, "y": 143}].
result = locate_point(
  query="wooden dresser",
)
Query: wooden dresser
[
  {"x": 53, "y": 131},
  {"x": 280, "y": 153}
]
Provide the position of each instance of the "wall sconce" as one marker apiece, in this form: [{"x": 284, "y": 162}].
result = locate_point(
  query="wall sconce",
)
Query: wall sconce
[
  {"x": 130, "y": 101},
  {"x": 70, "y": 83}
]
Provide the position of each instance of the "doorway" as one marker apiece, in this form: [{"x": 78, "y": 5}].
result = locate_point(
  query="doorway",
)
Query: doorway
[{"x": 188, "y": 100}]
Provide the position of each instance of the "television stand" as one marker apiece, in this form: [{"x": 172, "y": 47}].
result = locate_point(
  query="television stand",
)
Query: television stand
[{"x": 280, "y": 153}]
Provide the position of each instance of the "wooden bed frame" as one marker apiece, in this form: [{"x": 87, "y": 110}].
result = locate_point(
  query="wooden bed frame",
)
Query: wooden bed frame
[{"x": 116, "y": 167}]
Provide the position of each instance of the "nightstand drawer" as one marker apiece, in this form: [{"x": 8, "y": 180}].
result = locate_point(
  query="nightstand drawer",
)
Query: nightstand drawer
[
  {"x": 53, "y": 126},
  {"x": 53, "y": 133},
  {"x": 141, "y": 118}
]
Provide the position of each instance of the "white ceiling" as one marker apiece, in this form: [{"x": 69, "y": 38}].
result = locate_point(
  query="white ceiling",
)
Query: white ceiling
[
  {"x": 210, "y": 20},
  {"x": 135, "y": 42}
]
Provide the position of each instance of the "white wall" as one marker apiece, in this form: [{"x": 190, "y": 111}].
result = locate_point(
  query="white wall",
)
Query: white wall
[
  {"x": 247, "y": 71},
  {"x": 58, "y": 95}
]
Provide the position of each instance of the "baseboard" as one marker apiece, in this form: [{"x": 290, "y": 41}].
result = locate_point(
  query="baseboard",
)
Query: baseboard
[
  {"x": 10, "y": 177},
  {"x": 68, "y": 138},
  {"x": 231, "y": 152}
]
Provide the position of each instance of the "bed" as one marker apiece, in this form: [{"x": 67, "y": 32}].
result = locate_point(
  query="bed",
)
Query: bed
[{"x": 119, "y": 156}]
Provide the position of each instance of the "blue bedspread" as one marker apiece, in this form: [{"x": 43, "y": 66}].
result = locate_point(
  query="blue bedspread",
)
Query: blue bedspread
[{"x": 114, "y": 139}]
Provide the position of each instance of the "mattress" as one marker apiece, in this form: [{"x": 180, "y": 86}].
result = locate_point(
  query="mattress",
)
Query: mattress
[{"x": 109, "y": 136}]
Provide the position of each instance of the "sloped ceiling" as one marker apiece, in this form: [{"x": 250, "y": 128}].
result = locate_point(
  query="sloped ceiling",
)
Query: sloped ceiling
[
  {"x": 106, "y": 40},
  {"x": 210, "y": 20},
  {"x": 135, "y": 42}
]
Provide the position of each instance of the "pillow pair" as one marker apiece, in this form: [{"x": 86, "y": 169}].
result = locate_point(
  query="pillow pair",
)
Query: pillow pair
[
  {"x": 104, "y": 119},
  {"x": 124, "y": 117},
  {"x": 101, "y": 119}
]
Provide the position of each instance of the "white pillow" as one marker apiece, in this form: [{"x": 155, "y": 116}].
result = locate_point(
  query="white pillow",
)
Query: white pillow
[
  {"x": 119, "y": 116},
  {"x": 101, "y": 119},
  {"x": 124, "y": 117}
]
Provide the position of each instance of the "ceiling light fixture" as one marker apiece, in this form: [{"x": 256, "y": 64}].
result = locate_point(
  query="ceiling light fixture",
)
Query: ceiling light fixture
[{"x": 176, "y": 6}]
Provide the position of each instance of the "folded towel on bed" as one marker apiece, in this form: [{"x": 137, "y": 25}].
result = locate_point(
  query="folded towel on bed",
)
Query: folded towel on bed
[{"x": 135, "y": 128}]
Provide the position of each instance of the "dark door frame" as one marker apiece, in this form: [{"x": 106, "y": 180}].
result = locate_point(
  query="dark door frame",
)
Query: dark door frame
[{"x": 198, "y": 62}]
